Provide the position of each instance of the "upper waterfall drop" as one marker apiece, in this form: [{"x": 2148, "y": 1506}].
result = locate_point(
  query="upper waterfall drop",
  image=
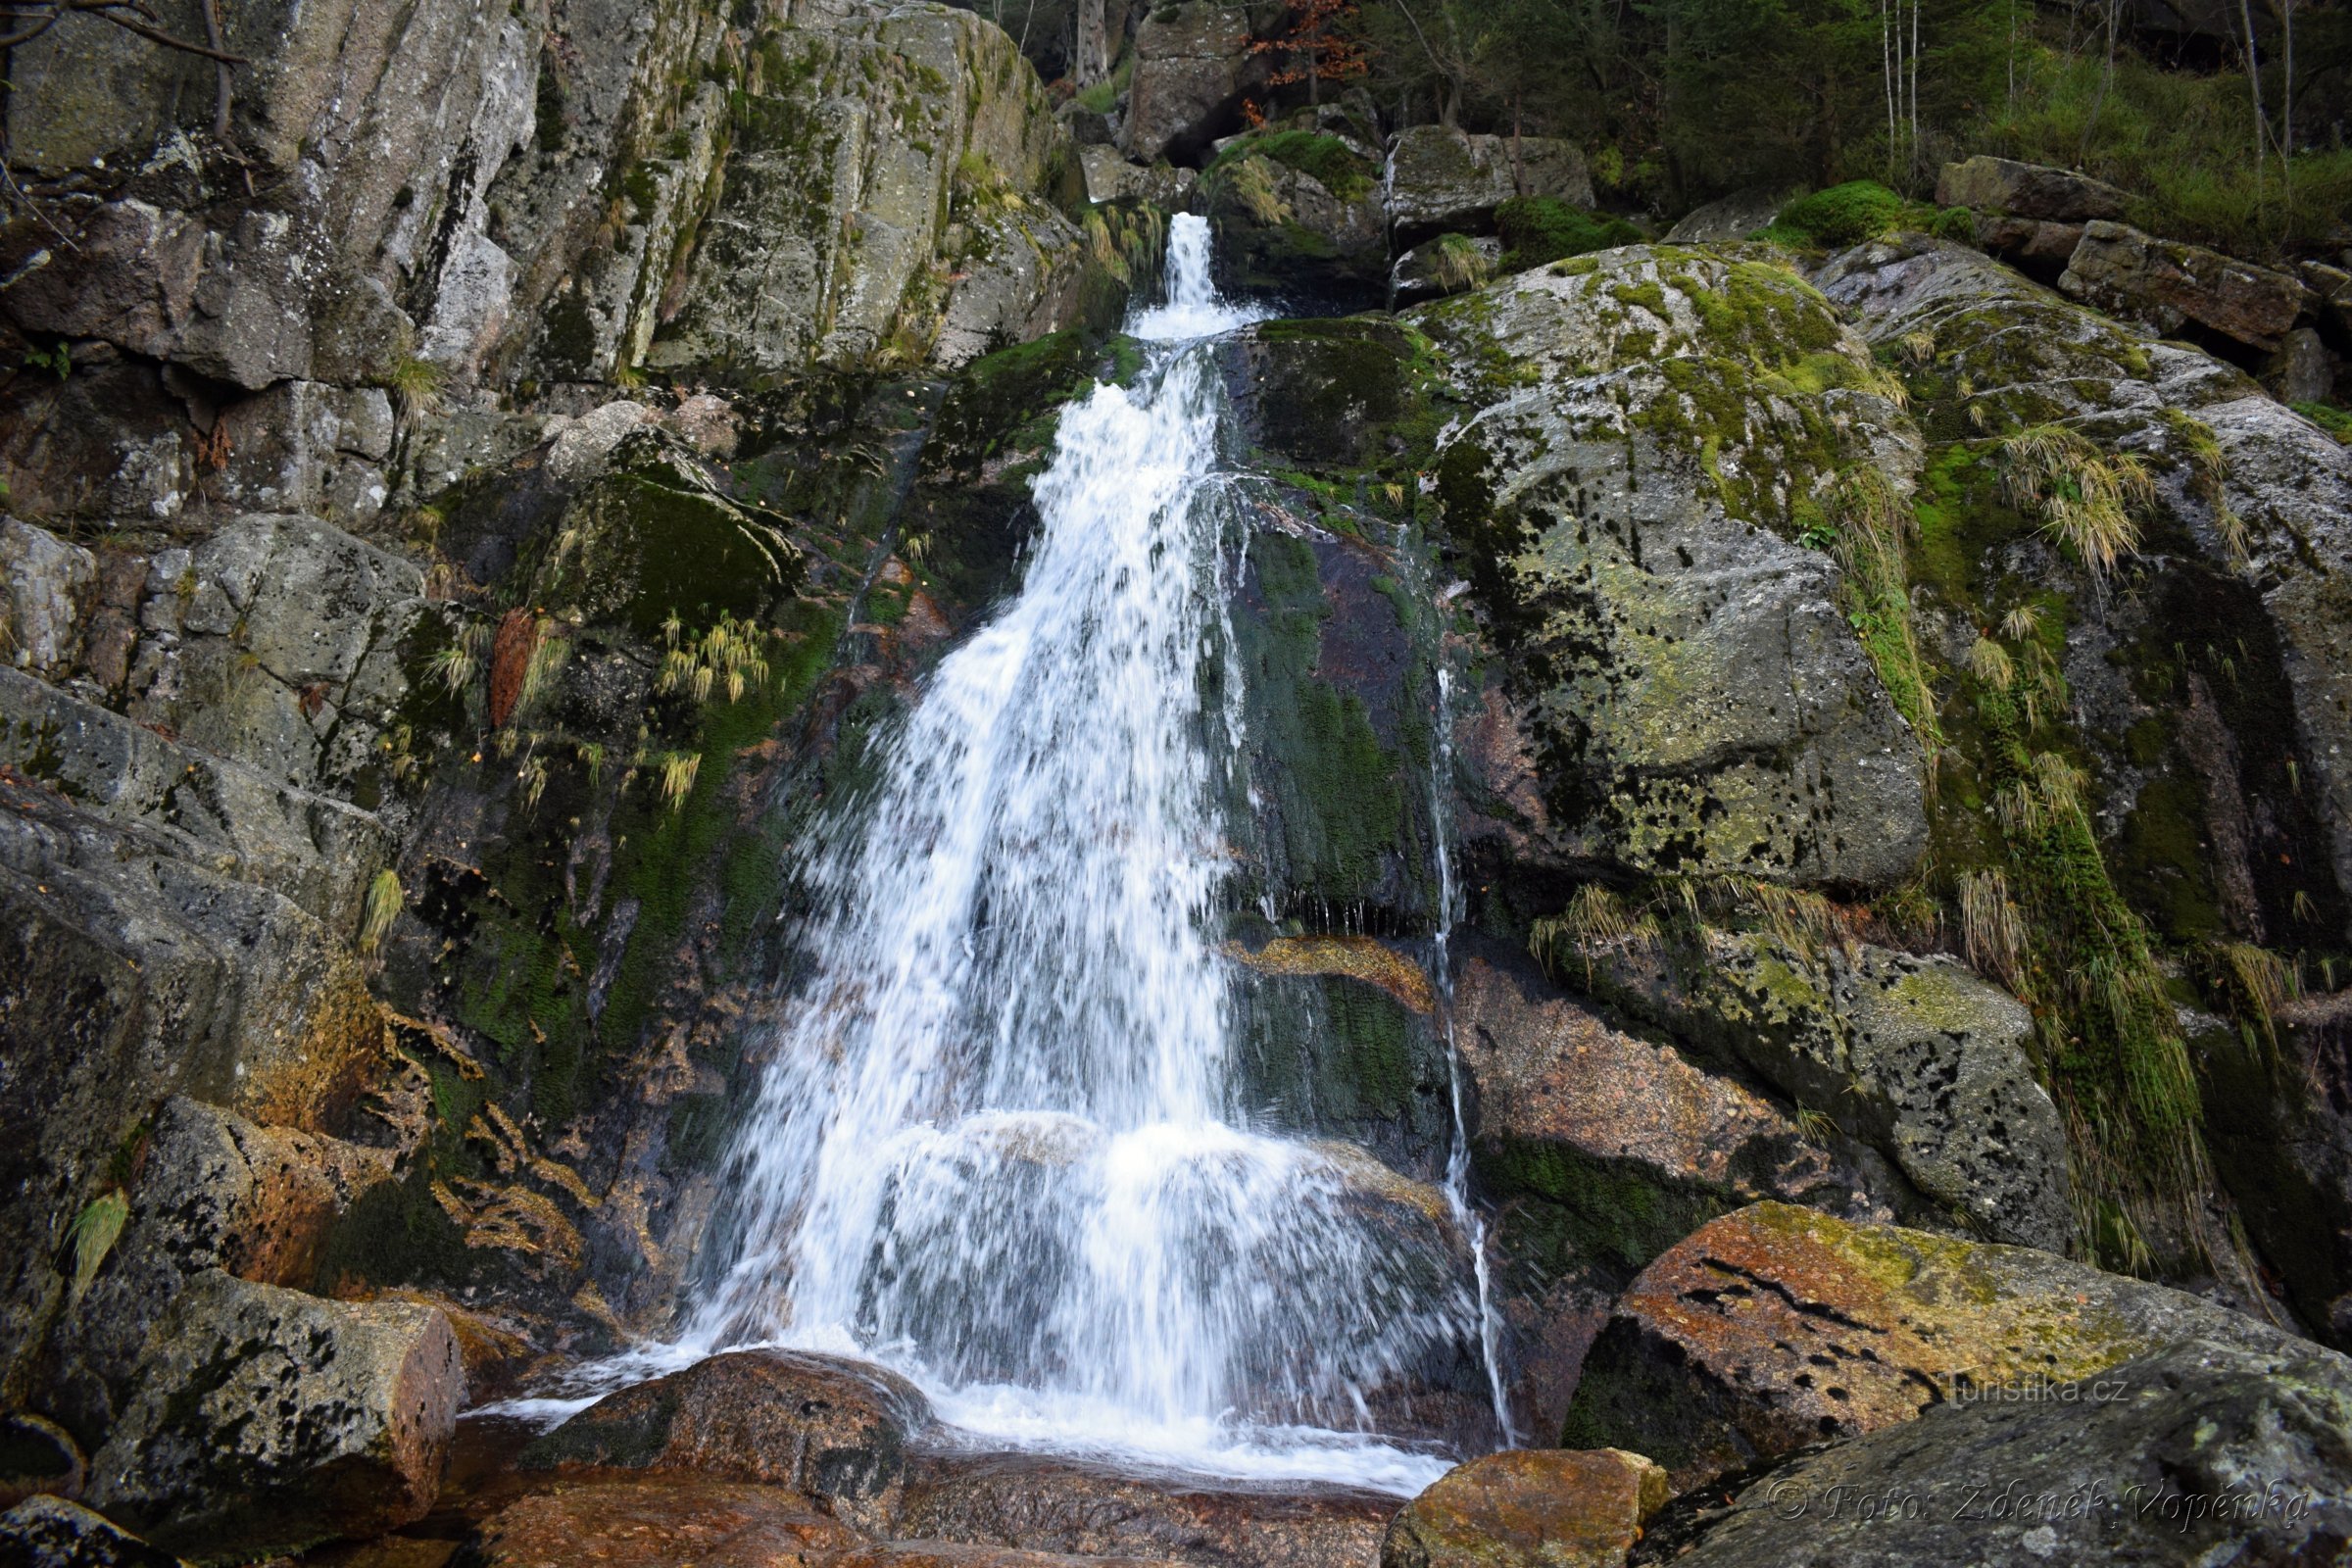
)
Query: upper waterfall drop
[{"x": 1000, "y": 1145}]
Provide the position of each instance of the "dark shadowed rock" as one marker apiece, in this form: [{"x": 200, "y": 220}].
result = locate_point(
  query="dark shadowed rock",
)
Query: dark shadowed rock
[
  {"x": 2200, "y": 1453},
  {"x": 1778, "y": 1327},
  {"x": 658, "y": 1522},
  {"x": 265, "y": 1419},
  {"x": 1441, "y": 179},
  {"x": 829, "y": 1427},
  {"x": 2028, "y": 190},
  {"x": 1532, "y": 1508},
  {"x": 37, "y": 1455},
  {"x": 952, "y": 1554},
  {"x": 1063, "y": 1505},
  {"x": 47, "y": 1532}
]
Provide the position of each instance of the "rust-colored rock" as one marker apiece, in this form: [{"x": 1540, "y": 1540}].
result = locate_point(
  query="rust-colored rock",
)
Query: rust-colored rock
[
  {"x": 1061, "y": 1505},
  {"x": 831, "y": 1427},
  {"x": 658, "y": 1522},
  {"x": 952, "y": 1554},
  {"x": 2170, "y": 285},
  {"x": 1779, "y": 1327},
  {"x": 1364, "y": 959},
  {"x": 1532, "y": 1508},
  {"x": 510, "y": 653}
]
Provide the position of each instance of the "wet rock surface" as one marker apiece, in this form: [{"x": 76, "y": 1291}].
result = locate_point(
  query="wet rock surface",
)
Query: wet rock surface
[
  {"x": 832, "y": 1429},
  {"x": 49, "y": 1532},
  {"x": 1059, "y": 1505},
  {"x": 646, "y": 1523}
]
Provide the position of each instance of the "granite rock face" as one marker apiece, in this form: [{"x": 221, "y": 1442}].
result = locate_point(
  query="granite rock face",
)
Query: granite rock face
[
  {"x": 1682, "y": 688},
  {"x": 1440, "y": 180},
  {"x": 265, "y": 1419},
  {"x": 2170, "y": 286},
  {"x": 2034, "y": 191},
  {"x": 832, "y": 1429},
  {"x": 2202, "y": 1453},
  {"x": 1776, "y": 1328},
  {"x": 1191, "y": 63}
]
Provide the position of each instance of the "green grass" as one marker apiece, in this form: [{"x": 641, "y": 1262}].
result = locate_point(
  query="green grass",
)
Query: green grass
[
  {"x": 1329, "y": 159},
  {"x": 1841, "y": 215},
  {"x": 2181, "y": 144},
  {"x": 2336, "y": 421},
  {"x": 1536, "y": 229}
]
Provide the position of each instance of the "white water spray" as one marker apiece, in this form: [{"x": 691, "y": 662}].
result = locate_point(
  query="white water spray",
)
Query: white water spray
[{"x": 1000, "y": 1147}]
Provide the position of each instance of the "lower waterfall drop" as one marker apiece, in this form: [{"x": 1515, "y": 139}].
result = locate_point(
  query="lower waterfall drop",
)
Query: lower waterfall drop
[{"x": 1000, "y": 1147}]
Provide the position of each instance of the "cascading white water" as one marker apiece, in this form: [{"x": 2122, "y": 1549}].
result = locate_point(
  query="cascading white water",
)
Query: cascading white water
[{"x": 1000, "y": 1147}]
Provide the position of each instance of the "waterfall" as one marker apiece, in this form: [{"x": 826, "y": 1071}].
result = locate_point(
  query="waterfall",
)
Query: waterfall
[{"x": 998, "y": 1145}]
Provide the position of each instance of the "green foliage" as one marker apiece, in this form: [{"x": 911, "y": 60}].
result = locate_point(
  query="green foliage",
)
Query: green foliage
[
  {"x": 93, "y": 1235},
  {"x": 1329, "y": 160},
  {"x": 57, "y": 360},
  {"x": 385, "y": 900},
  {"x": 1539, "y": 230},
  {"x": 1841, "y": 215},
  {"x": 2336, "y": 421}
]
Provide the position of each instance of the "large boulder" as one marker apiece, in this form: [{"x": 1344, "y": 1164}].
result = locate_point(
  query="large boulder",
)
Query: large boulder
[
  {"x": 131, "y": 972},
  {"x": 1061, "y": 1505},
  {"x": 267, "y": 1419},
  {"x": 1442, "y": 180},
  {"x": 833, "y": 1429},
  {"x": 2028, "y": 190},
  {"x": 213, "y": 1191},
  {"x": 2252, "y": 510},
  {"x": 2174, "y": 286},
  {"x": 1779, "y": 1327},
  {"x": 1297, "y": 215},
  {"x": 1191, "y": 64},
  {"x": 889, "y": 199},
  {"x": 1533, "y": 1508},
  {"x": 2198, "y": 1453},
  {"x": 1729, "y": 217},
  {"x": 1917, "y": 1056},
  {"x": 1600, "y": 1150},
  {"x": 1677, "y": 685}
]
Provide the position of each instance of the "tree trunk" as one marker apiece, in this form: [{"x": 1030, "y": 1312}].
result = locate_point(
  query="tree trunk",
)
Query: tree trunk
[{"x": 1089, "y": 58}]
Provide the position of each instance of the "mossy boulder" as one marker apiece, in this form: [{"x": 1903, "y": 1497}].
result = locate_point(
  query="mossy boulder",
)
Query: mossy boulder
[
  {"x": 1298, "y": 217},
  {"x": 1533, "y": 1508},
  {"x": 1918, "y": 1057},
  {"x": 1776, "y": 1328},
  {"x": 1440, "y": 180},
  {"x": 652, "y": 536},
  {"x": 1599, "y": 1149},
  {"x": 1675, "y": 685}
]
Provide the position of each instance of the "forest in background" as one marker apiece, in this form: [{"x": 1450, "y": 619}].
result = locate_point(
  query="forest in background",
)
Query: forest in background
[{"x": 1677, "y": 101}]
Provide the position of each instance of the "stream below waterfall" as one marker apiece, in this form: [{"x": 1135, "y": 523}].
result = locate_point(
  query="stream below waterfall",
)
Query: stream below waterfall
[{"x": 1001, "y": 1146}]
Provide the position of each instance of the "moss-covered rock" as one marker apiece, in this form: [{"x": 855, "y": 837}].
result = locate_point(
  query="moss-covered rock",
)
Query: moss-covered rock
[
  {"x": 1776, "y": 1328},
  {"x": 1676, "y": 687},
  {"x": 1540, "y": 1508}
]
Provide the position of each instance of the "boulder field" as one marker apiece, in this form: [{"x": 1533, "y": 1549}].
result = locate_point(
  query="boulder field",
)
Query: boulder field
[{"x": 1791, "y": 810}]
